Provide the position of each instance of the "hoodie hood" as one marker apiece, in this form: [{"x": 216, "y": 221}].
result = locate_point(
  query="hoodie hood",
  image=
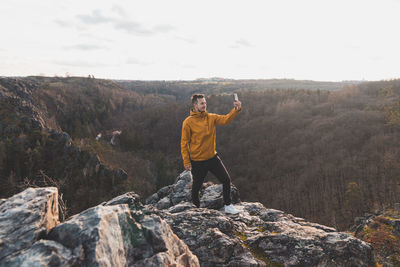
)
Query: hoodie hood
[{"x": 197, "y": 114}]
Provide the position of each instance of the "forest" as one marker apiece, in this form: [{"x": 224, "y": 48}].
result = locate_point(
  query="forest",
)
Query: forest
[{"x": 327, "y": 152}]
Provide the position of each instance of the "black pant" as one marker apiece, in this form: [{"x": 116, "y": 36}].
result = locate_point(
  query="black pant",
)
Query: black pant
[{"x": 216, "y": 167}]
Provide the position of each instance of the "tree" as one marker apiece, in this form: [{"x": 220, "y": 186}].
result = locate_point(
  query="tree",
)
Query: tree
[{"x": 353, "y": 200}]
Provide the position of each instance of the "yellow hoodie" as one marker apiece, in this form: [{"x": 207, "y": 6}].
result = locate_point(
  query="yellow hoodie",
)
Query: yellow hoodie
[{"x": 198, "y": 134}]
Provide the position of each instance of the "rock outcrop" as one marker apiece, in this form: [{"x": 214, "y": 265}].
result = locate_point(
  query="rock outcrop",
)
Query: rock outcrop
[
  {"x": 382, "y": 231},
  {"x": 18, "y": 114},
  {"x": 257, "y": 236},
  {"x": 170, "y": 231},
  {"x": 180, "y": 192},
  {"x": 115, "y": 233}
]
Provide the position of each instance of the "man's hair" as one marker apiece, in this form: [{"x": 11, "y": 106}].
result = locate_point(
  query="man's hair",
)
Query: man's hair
[{"x": 195, "y": 97}]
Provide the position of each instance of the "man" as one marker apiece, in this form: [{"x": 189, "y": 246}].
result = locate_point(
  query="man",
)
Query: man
[{"x": 198, "y": 147}]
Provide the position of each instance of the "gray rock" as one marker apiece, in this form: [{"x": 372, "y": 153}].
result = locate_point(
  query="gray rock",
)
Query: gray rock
[
  {"x": 130, "y": 236},
  {"x": 42, "y": 253},
  {"x": 62, "y": 138},
  {"x": 181, "y": 207},
  {"x": 152, "y": 199},
  {"x": 212, "y": 196},
  {"x": 263, "y": 237},
  {"x": 168, "y": 249},
  {"x": 130, "y": 198},
  {"x": 95, "y": 169},
  {"x": 211, "y": 237},
  {"x": 98, "y": 232},
  {"x": 361, "y": 222},
  {"x": 26, "y": 217},
  {"x": 181, "y": 191},
  {"x": 164, "y": 203}
]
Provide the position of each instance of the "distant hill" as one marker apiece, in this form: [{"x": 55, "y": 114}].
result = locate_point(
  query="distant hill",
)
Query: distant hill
[{"x": 182, "y": 90}]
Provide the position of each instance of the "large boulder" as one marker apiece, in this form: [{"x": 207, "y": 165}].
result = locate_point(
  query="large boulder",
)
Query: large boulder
[
  {"x": 181, "y": 191},
  {"x": 130, "y": 236},
  {"x": 26, "y": 217}
]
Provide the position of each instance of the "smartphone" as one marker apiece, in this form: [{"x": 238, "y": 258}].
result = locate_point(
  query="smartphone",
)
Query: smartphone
[{"x": 236, "y": 97}]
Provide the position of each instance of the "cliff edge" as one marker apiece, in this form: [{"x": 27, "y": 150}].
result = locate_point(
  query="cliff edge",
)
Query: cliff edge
[{"x": 168, "y": 231}]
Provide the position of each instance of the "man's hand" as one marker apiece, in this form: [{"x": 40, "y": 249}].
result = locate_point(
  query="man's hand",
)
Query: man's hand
[
  {"x": 188, "y": 167},
  {"x": 237, "y": 104}
]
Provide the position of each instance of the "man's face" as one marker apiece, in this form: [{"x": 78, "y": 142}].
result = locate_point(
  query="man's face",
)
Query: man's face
[{"x": 201, "y": 105}]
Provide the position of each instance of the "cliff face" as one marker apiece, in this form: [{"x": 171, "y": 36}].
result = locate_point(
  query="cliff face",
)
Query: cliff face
[
  {"x": 30, "y": 150},
  {"x": 124, "y": 232}
]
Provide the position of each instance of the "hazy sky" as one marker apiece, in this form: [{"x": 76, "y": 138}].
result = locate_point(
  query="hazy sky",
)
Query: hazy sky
[{"x": 173, "y": 40}]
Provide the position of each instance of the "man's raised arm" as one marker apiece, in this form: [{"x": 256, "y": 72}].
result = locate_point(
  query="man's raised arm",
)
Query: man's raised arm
[{"x": 228, "y": 118}]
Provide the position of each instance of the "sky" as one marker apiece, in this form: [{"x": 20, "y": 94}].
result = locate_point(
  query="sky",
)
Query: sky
[{"x": 323, "y": 40}]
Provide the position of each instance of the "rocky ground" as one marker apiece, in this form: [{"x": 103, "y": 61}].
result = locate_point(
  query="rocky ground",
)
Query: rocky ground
[
  {"x": 382, "y": 231},
  {"x": 168, "y": 231}
]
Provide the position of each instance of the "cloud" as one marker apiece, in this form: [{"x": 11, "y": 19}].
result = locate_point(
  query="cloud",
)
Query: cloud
[
  {"x": 122, "y": 23},
  {"x": 241, "y": 43},
  {"x": 62, "y": 23},
  {"x": 135, "y": 61},
  {"x": 119, "y": 10},
  {"x": 132, "y": 27},
  {"x": 84, "y": 47},
  {"x": 163, "y": 28},
  {"x": 95, "y": 18},
  {"x": 185, "y": 39}
]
